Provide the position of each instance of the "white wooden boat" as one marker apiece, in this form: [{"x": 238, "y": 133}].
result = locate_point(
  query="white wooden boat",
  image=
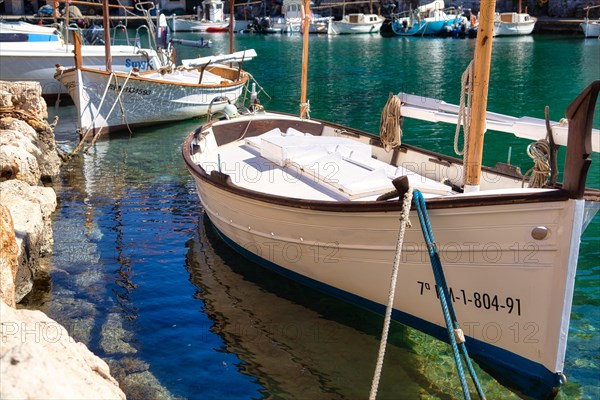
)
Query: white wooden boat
[
  {"x": 357, "y": 23},
  {"x": 111, "y": 101},
  {"x": 209, "y": 18},
  {"x": 107, "y": 100},
  {"x": 590, "y": 28},
  {"x": 310, "y": 199},
  {"x": 513, "y": 24},
  {"x": 26, "y": 60},
  {"x": 300, "y": 197}
]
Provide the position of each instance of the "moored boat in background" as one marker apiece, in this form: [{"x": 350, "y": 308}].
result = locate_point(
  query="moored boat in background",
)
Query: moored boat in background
[
  {"x": 513, "y": 24},
  {"x": 590, "y": 28},
  {"x": 209, "y": 17},
  {"x": 31, "y": 53},
  {"x": 427, "y": 20},
  {"x": 357, "y": 23}
]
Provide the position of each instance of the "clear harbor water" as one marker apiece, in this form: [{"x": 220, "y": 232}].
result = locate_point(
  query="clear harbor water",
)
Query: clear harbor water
[{"x": 139, "y": 276}]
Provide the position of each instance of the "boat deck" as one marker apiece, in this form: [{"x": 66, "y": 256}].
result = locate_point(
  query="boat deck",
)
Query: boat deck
[{"x": 301, "y": 165}]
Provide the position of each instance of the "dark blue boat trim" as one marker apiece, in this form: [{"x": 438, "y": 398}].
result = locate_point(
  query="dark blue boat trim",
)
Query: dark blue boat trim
[{"x": 524, "y": 376}]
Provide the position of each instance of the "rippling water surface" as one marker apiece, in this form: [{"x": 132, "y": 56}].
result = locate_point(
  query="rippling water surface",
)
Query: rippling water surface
[{"x": 140, "y": 278}]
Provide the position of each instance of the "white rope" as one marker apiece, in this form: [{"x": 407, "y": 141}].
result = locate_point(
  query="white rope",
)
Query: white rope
[
  {"x": 464, "y": 114},
  {"x": 464, "y": 111},
  {"x": 539, "y": 152},
  {"x": 404, "y": 223},
  {"x": 87, "y": 132},
  {"x": 117, "y": 101}
]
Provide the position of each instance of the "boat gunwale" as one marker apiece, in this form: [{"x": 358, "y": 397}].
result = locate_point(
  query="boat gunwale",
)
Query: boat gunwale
[
  {"x": 223, "y": 181},
  {"x": 244, "y": 77}
]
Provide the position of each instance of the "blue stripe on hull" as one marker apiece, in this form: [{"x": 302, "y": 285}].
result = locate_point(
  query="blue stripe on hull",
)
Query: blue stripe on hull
[{"x": 524, "y": 376}]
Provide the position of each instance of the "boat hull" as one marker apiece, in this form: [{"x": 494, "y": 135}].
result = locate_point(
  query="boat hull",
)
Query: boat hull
[
  {"x": 192, "y": 25},
  {"x": 495, "y": 301},
  {"x": 423, "y": 28},
  {"x": 343, "y": 27},
  {"x": 591, "y": 29},
  {"x": 140, "y": 101},
  {"x": 40, "y": 64},
  {"x": 513, "y": 29}
]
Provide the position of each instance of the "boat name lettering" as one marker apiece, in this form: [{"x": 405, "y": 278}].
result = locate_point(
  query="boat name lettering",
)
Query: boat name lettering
[
  {"x": 141, "y": 65},
  {"x": 143, "y": 92},
  {"x": 511, "y": 305}
]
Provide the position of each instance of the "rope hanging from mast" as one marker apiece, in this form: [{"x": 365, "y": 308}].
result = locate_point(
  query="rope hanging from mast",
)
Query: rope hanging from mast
[{"x": 390, "y": 126}]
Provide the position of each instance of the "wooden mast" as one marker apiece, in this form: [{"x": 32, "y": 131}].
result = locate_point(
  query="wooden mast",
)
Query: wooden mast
[
  {"x": 481, "y": 76},
  {"x": 304, "y": 78},
  {"x": 106, "y": 23}
]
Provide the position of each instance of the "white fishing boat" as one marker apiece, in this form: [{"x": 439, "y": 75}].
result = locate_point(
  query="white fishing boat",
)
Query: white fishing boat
[
  {"x": 31, "y": 53},
  {"x": 209, "y": 18},
  {"x": 107, "y": 100},
  {"x": 590, "y": 28},
  {"x": 513, "y": 24},
  {"x": 112, "y": 101},
  {"x": 311, "y": 200},
  {"x": 357, "y": 23}
]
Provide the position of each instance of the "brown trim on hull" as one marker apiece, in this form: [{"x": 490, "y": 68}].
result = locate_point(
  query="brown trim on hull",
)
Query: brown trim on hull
[
  {"x": 230, "y": 131},
  {"x": 579, "y": 143},
  {"x": 244, "y": 76}
]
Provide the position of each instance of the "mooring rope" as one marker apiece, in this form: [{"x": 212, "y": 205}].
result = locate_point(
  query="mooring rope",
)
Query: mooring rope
[
  {"x": 87, "y": 132},
  {"x": 540, "y": 172},
  {"x": 455, "y": 333},
  {"x": 117, "y": 101},
  {"x": 404, "y": 223},
  {"x": 390, "y": 131}
]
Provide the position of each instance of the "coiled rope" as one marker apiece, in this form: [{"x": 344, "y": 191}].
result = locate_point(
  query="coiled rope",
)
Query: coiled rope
[
  {"x": 539, "y": 152},
  {"x": 404, "y": 223},
  {"x": 390, "y": 130},
  {"x": 464, "y": 113},
  {"x": 455, "y": 333}
]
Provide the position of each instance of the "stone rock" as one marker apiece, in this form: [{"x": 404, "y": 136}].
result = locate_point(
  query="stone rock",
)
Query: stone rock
[
  {"x": 26, "y": 96},
  {"x": 41, "y": 145},
  {"x": 15, "y": 124},
  {"x": 28, "y": 167},
  {"x": 5, "y": 99},
  {"x": 31, "y": 208},
  {"x": 38, "y": 359},
  {"x": 8, "y": 257}
]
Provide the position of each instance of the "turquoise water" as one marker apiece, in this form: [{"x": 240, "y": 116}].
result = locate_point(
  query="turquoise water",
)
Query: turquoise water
[{"x": 139, "y": 277}]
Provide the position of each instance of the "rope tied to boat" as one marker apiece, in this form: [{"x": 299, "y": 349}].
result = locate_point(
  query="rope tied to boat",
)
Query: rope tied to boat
[
  {"x": 404, "y": 223},
  {"x": 117, "y": 101},
  {"x": 455, "y": 333},
  {"x": 390, "y": 126},
  {"x": 540, "y": 173},
  {"x": 464, "y": 112}
]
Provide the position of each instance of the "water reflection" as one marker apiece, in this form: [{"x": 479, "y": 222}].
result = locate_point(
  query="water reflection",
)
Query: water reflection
[{"x": 300, "y": 343}]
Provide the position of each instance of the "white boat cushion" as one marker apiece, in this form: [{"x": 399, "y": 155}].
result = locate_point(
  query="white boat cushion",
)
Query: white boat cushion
[{"x": 338, "y": 163}]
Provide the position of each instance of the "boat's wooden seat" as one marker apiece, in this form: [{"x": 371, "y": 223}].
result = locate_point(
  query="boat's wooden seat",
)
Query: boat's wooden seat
[{"x": 337, "y": 163}]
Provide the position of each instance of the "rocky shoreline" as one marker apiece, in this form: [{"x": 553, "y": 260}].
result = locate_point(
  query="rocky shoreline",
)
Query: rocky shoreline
[{"x": 38, "y": 358}]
